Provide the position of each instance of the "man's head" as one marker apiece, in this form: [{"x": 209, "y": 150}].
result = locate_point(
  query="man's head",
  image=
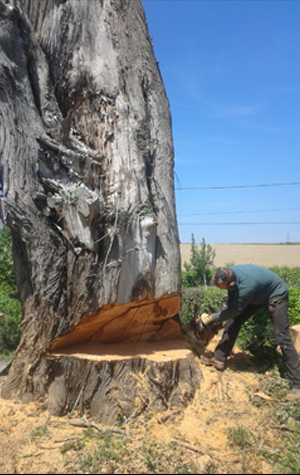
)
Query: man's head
[{"x": 223, "y": 277}]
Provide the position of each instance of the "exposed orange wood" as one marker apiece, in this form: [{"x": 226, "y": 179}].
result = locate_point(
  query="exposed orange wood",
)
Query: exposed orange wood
[
  {"x": 147, "y": 320},
  {"x": 154, "y": 351}
]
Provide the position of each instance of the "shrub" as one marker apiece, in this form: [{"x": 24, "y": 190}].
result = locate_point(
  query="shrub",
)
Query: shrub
[
  {"x": 239, "y": 436},
  {"x": 10, "y": 309},
  {"x": 294, "y": 305},
  {"x": 290, "y": 275},
  {"x": 257, "y": 336},
  {"x": 7, "y": 276},
  {"x": 198, "y": 300},
  {"x": 10, "y": 330}
]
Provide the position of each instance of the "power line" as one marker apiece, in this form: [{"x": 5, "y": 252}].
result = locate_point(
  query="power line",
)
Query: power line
[
  {"x": 239, "y": 212},
  {"x": 235, "y": 223},
  {"x": 236, "y": 186}
]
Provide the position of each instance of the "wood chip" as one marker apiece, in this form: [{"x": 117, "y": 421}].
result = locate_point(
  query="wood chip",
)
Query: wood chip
[
  {"x": 169, "y": 414},
  {"x": 107, "y": 429},
  {"x": 263, "y": 396},
  {"x": 188, "y": 446},
  {"x": 283, "y": 427},
  {"x": 79, "y": 423},
  {"x": 48, "y": 448},
  {"x": 66, "y": 439}
]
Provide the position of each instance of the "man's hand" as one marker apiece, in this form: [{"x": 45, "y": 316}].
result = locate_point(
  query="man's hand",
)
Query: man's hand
[{"x": 206, "y": 318}]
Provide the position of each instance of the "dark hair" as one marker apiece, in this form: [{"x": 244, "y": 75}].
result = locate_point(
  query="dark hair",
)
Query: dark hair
[{"x": 223, "y": 275}]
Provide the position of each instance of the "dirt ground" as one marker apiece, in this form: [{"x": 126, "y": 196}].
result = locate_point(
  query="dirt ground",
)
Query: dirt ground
[
  {"x": 194, "y": 440},
  {"x": 266, "y": 255}
]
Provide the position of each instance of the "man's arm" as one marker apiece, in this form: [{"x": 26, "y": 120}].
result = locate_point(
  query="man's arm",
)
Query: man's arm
[{"x": 237, "y": 303}]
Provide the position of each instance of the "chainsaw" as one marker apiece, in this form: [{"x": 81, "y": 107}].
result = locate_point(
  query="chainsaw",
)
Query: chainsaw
[{"x": 203, "y": 333}]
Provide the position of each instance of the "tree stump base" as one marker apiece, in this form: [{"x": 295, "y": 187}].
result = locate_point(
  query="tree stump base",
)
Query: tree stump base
[
  {"x": 110, "y": 381},
  {"x": 121, "y": 358}
]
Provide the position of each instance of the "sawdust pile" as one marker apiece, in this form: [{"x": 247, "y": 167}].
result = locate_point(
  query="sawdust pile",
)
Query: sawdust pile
[{"x": 194, "y": 440}]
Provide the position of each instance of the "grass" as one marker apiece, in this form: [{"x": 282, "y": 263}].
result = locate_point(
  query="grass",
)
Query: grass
[
  {"x": 239, "y": 437},
  {"x": 285, "y": 454},
  {"x": 6, "y": 355},
  {"x": 107, "y": 452},
  {"x": 279, "y": 443},
  {"x": 102, "y": 448},
  {"x": 72, "y": 445},
  {"x": 40, "y": 432}
]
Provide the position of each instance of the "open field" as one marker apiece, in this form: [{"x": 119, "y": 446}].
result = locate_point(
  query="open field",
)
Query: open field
[{"x": 266, "y": 255}]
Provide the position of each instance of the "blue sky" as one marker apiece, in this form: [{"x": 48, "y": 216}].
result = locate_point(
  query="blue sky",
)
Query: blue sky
[{"x": 232, "y": 75}]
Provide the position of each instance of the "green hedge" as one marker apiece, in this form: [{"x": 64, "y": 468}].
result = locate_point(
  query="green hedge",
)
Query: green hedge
[
  {"x": 290, "y": 275},
  {"x": 294, "y": 305}
]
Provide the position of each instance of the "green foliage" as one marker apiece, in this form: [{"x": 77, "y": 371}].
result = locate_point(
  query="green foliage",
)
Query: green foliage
[
  {"x": 198, "y": 270},
  {"x": 294, "y": 305},
  {"x": 77, "y": 444},
  {"x": 198, "y": 300},
  {"x": 40, "y": 432},
  {"x": 69, "y": 198},
  {"x": 109, "y": 453},
  {"x": 10, "y": 317},
  {"x": 285, "y": 453},
  {"x": 239, "y": 436},
  {"x": 257, "y": 336},
  {"x": 7, "y": 278},
  {"x": 290, "y": 275},
  {"x": 109, "y": 449},
  {"x": 10, "y": 309}
]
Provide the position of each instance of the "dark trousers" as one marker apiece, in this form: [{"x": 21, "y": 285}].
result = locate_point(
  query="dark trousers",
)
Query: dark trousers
[{"x": 278, "y": 311}]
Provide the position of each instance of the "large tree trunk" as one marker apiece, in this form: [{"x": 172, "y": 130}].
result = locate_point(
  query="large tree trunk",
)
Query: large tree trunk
[{"x": 87, "y": 191}]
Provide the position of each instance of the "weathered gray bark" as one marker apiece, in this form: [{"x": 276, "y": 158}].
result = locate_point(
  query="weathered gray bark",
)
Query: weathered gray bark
[{"x": 87, "y": 176}]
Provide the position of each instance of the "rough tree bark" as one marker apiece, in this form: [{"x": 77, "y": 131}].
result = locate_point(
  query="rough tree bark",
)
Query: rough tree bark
[{"x": 88, "y": 193}]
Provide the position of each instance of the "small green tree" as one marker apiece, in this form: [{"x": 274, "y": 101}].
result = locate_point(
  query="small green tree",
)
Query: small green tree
[{"x": 198, "y": 270}]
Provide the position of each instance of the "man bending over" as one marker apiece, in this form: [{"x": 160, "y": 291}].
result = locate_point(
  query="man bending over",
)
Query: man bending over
[{"x": 251, "y": 288}]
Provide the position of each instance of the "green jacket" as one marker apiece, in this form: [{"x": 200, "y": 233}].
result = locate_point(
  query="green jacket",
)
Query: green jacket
[{"x": 255, "y": 285}]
